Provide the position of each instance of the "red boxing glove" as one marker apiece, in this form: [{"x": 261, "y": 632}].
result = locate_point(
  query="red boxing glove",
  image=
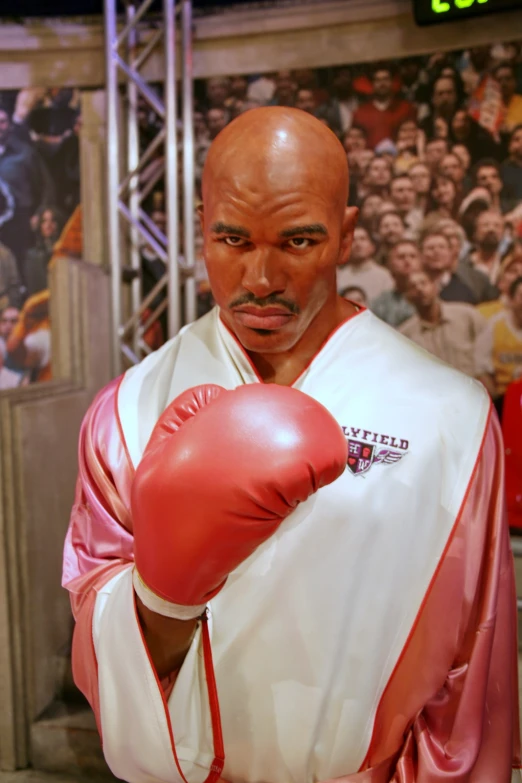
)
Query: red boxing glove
[{"x": 220, "y": 473}]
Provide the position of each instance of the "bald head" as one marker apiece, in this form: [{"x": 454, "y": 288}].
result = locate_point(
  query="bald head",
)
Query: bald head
[
  {"x": 277, "y": 148},
  {"x": 276, "y": 226}
]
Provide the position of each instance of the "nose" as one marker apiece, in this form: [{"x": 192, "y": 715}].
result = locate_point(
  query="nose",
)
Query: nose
[{"x": 263, "y": 273}]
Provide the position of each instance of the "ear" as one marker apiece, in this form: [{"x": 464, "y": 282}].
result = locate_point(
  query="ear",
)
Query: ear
[{"x": 349, "y": 222}]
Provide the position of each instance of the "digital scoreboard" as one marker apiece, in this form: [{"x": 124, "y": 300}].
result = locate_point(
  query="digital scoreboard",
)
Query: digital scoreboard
[{"x": 439, "y": 11}]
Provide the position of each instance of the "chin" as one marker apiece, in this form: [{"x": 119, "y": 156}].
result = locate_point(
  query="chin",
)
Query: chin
[{"x": 266, "y": 341}]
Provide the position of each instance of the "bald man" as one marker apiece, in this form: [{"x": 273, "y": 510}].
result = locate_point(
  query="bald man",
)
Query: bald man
[{"x": 371, "y": 636}]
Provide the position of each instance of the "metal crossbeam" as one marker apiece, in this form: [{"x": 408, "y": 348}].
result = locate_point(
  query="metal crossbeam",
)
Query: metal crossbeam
[{"x": 130, "y": 228}]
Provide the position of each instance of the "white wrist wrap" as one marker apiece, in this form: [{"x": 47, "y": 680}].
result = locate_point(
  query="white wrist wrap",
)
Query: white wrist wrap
[{"x": 159, "y": 605}]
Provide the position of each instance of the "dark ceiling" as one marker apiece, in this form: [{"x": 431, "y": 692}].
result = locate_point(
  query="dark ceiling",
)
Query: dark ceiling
[{"x": 31, "y": 8}]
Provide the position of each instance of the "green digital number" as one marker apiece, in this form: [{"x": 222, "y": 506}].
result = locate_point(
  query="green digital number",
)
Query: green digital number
[{"x": 439, "y": 6}]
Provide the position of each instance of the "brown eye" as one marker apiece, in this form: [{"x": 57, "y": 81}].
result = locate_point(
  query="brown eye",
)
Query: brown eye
[
  {"x": 299, "y": 243},
  {"x": 234, "y": 241}
]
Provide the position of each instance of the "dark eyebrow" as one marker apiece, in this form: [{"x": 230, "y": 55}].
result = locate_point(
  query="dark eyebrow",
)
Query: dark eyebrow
[
  {"x": 313, "y": 228},
  {"x": 226, "y": 228}
]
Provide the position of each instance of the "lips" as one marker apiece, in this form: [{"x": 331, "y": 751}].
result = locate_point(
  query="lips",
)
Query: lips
[{"x": 269, "y": 318}]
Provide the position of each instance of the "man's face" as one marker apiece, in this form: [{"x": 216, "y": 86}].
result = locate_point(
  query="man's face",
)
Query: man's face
[
  {"x": 444, "y": 95},
  {"x": 403, "y": 260},
  {"x": 5, "y": 126},
  {"x": 420, "y": 178},
  {"x": 8, "y": 321},
  {"x": 285, "y": 87},
  {"x": 305, "y": 101},
  {"x": 159, "y": 219},
  {"x": 48, "y": 225},
  {"x": 379, "y": 173},
  {"x": 515, "y": 145},
  {"x": 354, "y": 140},
  {"x": 273, "y": 238},
  {"x": 238, "y": 87},
  {"x": 436, "y": 254},
  {"x": 489, "y": 229},
  {"x": 371, "y": 207},
  {"x": 454, "y": 240},
  {"x": 217, "y": 91},
  {"x": 507, "y": 82},
  {"x": 409, "y": 71},
  {"x": 382, "y": 85},
  {"x": 403, "y": 194},
  {"x": 444, "y": 191},
  {"x": 216, "y": 121},
  {"x": 362, "y": 246},
  {"x": 391, "y": 229},
  {"x": 421, "y": 291},
  {"x": 489, "y": 178},
  {"x": 452, "y": 167},
  {"x": 435, "y": 151},
  {"x": 200, "y": 126}
]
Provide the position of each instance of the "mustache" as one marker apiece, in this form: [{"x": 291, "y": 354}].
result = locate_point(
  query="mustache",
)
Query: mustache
[{"x": 266, "y": 301}]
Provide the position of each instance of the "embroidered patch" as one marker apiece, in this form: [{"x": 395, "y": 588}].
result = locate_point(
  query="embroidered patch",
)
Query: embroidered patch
[{"x": 362, "y": 454}]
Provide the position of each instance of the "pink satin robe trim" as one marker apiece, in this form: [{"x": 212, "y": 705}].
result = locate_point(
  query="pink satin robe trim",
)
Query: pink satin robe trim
[{"x": 455, "y": 718}]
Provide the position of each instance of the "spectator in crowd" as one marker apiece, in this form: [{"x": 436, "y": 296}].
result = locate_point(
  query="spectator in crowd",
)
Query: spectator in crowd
[
  {"x": 488, "y": 233},
  {"x": 510, "y": 269},
  {"x": 9, "y": 379},
  {"x": 487, "y": 175},
  {"x": 511, "y": 169},
  {"x": 217, "y": 92},
  {"x": 414, "y": 80},
  {"x": 361, "y": 270},
  {"x": 8, "y": 319},
  {"x": 477, "y": 281},
  {"x": 443, "y": 104},
  {"x": 392, "y": 306},
  {"x": 451, "y": 166},
  {"x": 355, "y": 294},
  {"x": 504, "y": 73},
  {"x": 237, "y": 89},
  {"x": 339, "y": 111},
  {"x": 305, "y": 100},
  {"x": 285, "y": 89},
  {"x": 354, "y": 140},
  {"x": 420, "y": 176},
  {"x": 390, "y": 229},
  {"x": 11, "y": 291},
  {"x": 409, "y": 145},
  {"x": 49, "y": 226},
  {"x": 449, "y": 330},
  {"x": 402, "y": 195},
  {"x": 434, "y": 153},
  {"x": 479, "y": 143},
  {"x": 377, "y": 178},
  {"x": 437, "y": 262},
  {"x": 261, "y": 89},
  {"x": 383, "y": 114},
  {"x": 462, "y": 153},
  {"x": 24, "y": 171},
  {"x": 29, "y": 344},
  {"x": 443, "y": 201},
  {"x": 217, "y": 119},
  {"x": 369, "y": 212},
  {"x": 501, "y": 344}
]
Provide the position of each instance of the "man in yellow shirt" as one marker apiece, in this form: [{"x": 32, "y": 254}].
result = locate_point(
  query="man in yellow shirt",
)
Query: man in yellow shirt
[{"x": 501, "y": 342}]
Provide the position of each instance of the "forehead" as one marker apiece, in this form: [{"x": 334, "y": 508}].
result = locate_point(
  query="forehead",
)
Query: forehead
[{"x": 436, "y": 239}]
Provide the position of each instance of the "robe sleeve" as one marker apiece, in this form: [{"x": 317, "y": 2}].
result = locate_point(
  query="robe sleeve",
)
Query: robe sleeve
[{"x": 99, "y": 540}]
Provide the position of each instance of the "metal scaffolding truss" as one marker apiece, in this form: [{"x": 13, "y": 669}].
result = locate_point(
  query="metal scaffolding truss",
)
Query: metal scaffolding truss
[{"x": 129, "y": 44}]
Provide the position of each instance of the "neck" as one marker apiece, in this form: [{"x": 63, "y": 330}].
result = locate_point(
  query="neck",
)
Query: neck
[
  {"x": 283, "y": 368},
  {"x": 357, "y": 261},
  {"x": 431, "y": 312}
]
